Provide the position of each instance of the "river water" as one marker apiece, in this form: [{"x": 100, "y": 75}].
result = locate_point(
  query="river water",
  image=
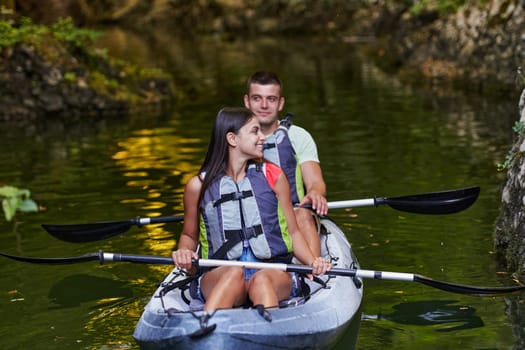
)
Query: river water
[{"x": 376, "y": 136}]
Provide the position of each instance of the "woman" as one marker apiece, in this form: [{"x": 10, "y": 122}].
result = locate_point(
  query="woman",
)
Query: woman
[{"x": 234, "y": 210}]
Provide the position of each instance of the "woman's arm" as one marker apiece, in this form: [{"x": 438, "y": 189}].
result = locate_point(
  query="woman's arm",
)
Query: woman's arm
[{"x": 189, "y": 237}]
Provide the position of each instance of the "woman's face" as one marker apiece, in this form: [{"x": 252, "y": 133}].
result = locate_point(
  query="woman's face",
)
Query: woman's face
[{"x": 251, "y": 139}]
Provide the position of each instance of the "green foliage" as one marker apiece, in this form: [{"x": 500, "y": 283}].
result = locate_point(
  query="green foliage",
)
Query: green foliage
[
  {"x": 68, "y": 47},
  {"x": 518, "y": 128},
  {"x": 28, "y": 32},
  {"x": 14, "y": 199},
  {"x": 70, "y": 76},
  {"x": 442, "y": 6},
  {"x": 25, "y": 32},
  {"x": 509, "y": 159},
  {"x": 65, "y": 31}
]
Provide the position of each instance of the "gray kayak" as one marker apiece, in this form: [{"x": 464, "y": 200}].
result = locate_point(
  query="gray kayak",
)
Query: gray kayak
[{"x": 172, "y": 320}]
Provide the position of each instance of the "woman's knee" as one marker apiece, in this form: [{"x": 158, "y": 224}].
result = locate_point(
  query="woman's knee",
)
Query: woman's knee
[
  {"x": 270, "y": 279},
  {"x": 225, "y": 280},
  {"x": 233, "y": 275}
]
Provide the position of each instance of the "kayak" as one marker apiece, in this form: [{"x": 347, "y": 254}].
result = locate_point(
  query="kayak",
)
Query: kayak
[{"x": 331, "y": 308}]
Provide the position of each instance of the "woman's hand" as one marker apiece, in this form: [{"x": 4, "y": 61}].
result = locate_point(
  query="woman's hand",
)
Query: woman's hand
[
  {"x": 320, "y": 266},
  {"x": 182, "y": 258}
]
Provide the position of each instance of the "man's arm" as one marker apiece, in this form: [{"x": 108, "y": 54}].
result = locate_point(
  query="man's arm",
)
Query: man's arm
[
  {"x": 315, "y": 187},
  {"x": 306, "y": 151}
]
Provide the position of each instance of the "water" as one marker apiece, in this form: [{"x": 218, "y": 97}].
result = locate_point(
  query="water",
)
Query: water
[{"x": 376, "y": 136}]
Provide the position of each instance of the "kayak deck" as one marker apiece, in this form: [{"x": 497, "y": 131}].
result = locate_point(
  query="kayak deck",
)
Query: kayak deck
[{"x": 172, "y": 319}]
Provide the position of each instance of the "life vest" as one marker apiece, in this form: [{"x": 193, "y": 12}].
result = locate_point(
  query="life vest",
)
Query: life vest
[
  {"x": 233, "y": 213},
  {"x": 278, "y": 149}
]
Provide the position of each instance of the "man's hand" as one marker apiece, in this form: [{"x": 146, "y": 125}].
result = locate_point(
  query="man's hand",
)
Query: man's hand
[{"x": 317, "y": 201}]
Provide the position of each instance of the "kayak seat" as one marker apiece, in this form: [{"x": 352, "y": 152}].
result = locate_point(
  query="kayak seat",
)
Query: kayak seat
[{"x": 196, "y": 305}]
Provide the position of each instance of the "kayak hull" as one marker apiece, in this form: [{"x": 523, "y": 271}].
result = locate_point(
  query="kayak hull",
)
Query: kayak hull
[{"x": 317, "y": 323}]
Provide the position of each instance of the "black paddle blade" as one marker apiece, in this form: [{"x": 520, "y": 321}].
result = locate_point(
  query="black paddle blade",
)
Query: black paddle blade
[
  {"x": 54, "y": 261},
  {"x": 82, "y": 233},
  {"x": 445, "y": 202},
  {"x": 472, "y": 290}
]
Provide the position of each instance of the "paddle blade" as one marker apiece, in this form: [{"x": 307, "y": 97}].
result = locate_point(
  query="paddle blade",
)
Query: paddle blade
[
  {"x": 445, "y": 202},
  {"x": 82, "y": 233},
  {"x": 472, "y": 290},
  {"x": 53, "y": 261}
]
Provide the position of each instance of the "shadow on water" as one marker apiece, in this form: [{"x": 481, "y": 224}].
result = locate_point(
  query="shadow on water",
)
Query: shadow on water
[
  {"x": 430, "y": 313},
  {"x": 74, "y": 290}
]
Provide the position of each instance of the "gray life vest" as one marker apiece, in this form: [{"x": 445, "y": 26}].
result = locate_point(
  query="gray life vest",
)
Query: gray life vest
[
  {"x": 278, "y": 149},
  {"x": 246, "y": 211}
]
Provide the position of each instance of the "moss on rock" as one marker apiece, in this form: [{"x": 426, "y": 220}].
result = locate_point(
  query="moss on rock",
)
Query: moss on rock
[{"x": 51, "y": 71}]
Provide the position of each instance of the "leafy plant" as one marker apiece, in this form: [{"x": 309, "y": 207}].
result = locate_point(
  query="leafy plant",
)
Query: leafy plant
[
  {"x": 65, "y": 31},
  {"x": 25, "y": 32},
  {"x": 518, "y": 128},
  {"x": 28, "y": 32},
  {"x": 14, "y": 199},
  {"x": 443, "y": 7}
]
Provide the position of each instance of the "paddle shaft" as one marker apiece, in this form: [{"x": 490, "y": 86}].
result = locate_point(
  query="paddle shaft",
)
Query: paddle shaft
[
  {"x": 383, "y": 275},
  {"x": 157, "y": 220},
  {"x": 444, "y": 202},
  {"x": 104, "y": 257},
  {"x": 352, "y": 203}
]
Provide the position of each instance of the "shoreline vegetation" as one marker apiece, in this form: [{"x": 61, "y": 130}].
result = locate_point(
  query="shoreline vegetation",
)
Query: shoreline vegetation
[{"x": 52, "y": 71}]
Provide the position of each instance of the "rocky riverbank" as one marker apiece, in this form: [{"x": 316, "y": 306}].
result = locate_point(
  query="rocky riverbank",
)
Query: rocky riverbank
[
  {"x": 44, "y": 77},
  {"x": 510, "y": 225},
  {"x": 477, "y": 46},
  {"x": 476, "y": 43}
]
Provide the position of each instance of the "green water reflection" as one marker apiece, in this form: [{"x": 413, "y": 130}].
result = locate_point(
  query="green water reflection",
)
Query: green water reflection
[{"x": 376, "y": 136}]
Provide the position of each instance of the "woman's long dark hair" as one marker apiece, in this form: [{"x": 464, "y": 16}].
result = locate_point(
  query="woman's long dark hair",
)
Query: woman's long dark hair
[{"x": 229, "y": 119}]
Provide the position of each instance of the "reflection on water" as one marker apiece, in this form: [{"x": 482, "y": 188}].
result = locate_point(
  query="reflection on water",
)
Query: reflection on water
[
  {"x": 74, "y": 290},
  {"x": 430, "y": 313}
]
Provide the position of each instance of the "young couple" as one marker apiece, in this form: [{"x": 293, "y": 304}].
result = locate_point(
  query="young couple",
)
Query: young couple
[{"x": 239, "y": 206}]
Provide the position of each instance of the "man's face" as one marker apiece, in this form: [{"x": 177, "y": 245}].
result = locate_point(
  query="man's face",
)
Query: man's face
[{"x": 265, "y": 101}]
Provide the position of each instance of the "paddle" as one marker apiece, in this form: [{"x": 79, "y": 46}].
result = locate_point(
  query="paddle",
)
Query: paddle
[
  {"x": 445, "y": 202},
  {"x": 81, "y": 233},
  {"x": 384, "y": 275}
]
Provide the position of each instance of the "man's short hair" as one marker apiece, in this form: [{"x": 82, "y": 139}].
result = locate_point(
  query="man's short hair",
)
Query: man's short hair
[{"x": 263, "y": 78}]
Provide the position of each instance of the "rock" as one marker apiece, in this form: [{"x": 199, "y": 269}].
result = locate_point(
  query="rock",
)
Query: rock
[
  {"x": 510, "y": 225},
  {"x": 31, "y": 87}
]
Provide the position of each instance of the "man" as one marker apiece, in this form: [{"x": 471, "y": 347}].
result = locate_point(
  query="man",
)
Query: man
[{"x": 291, "y": 148}]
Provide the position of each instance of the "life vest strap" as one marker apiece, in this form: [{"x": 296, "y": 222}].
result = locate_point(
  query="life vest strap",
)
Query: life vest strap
[
  {"x": 287, "y": 120},
  {"x": 235, "y": 236},
  {"x": 232, "y": 197}
]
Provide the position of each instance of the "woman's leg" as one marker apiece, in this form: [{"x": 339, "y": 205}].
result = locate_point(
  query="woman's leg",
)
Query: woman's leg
[
  {"x": 268, "y": 287},
  {"x": 223, "y": 287}
]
